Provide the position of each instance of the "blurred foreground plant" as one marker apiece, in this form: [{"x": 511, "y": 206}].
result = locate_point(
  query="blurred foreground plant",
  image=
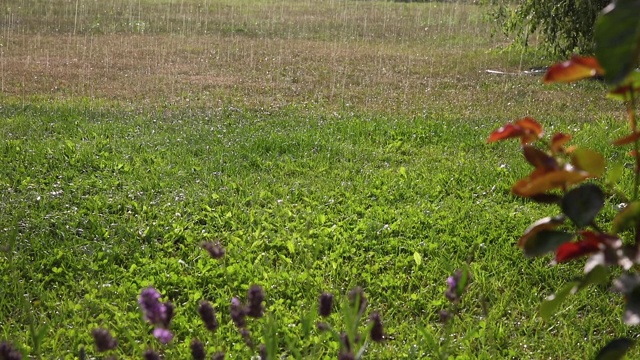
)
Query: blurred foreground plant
[
  {"x": 560, "y": 175},
  {"x": 353, "y": 344}
]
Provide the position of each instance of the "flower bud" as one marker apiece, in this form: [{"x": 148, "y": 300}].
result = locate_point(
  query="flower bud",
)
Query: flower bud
[
  {"x": 208, "y": 316},
  {"x": 326, "y": 304},
  {"x": 103, "y": 340}
]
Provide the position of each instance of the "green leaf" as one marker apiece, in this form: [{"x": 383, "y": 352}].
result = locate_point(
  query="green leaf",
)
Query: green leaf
[
  {"x": 551, "y": 304},
  {"x": 617, "y": 37},
  {"x": 582, "y": 204},
  {"x": 308, "y": 321},
  {"x": 615, "y": 174},
  {"x": 291, "y": 247},
  {"x": 41, "y": 333},
  {"x": 417, "y": 257},
  {"x": 544, "y": 242},
  {"x": 589, "y": 161},
  {"x": 615, "y": 349},
  {"x": 270, "y": 335},
  {"x": 464, "y": 281},
  {"x": 627, "y": 217},
  {"x": 598, "y": 275},
  {"x": 629, "y": 86}
]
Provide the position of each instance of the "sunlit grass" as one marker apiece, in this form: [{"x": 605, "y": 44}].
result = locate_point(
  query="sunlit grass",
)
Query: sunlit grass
[{"x": 324, "y": 143}]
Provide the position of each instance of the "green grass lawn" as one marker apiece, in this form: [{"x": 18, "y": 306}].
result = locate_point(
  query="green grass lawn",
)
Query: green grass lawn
[{"x": 323, "y": 183}]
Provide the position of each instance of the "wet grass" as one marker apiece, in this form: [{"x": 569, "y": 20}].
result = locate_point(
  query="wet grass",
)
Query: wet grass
[{"x": 325, "y": 144}]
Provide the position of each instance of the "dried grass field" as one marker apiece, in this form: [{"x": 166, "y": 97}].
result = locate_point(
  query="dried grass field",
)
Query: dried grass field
[{"x": 374, "y": 56}]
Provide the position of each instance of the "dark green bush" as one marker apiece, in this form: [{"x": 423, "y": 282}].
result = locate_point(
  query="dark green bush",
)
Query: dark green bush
[{"x": 563, "y": 26}]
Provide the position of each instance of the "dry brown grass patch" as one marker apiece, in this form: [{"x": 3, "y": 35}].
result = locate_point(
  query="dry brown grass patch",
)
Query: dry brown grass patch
[{"x": 371, "y": 56}]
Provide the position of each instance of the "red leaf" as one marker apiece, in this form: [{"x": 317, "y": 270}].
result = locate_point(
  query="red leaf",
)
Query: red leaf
[
  {"x": 606, "y": 239},
  {"x": 539, "y": 159},
  {"x": 576, "y": 68},
  {"x": 531, "y": 127},
  {"x": 557, "y": 142},
  {"x": 624, "y": 90},
  {"x": 506, "y": 132},
  {"x": 571, "y": 250},
  {"x": 527, "y": 129},
  {"x": 627, "y": 139}
]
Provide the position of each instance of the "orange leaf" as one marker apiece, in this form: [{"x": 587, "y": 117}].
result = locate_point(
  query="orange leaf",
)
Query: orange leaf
[
  {"x": 627, "y": 89},
  {"x": 557, "y": 142},
  {"x": 530, "y": 126},
  {"x": 506, "y": 132},
  {"x": 527, "y": 129},
  {"x": 627, "y": 139},
  {"x": 576, "y": 68},
  {"x": 540, "y": 182}
]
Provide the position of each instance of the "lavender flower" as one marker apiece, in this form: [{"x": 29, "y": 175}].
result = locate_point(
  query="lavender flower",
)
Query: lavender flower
[
  {"x": 246, "y": 336},
  {"x": 208, "y": 316},
  {"x": 255, "y": 297},
  {"x": 238, "y": 313},
  {"x": 377, "y": 333},
  {"x": 453, "y": 293},
  {"x": 263, "y": 352},
  {"x": 169, "y": 312},
  {"x": 357, "y": 299},
  {"x": 154, "y": 311},
  {"x": 8, "y": 352},
  {"x": 214, "y": 249},
  {"x": 151, "y": 355},
  {"x": 103, "y": 340},
  {"x": 197, "y": 350},
  {"x": 322, "y": 326},
  {"x": 218, "y": 356},
  {"x": 344, "y": 339},
  {"x": 326, "y": 304},
  {"x": 157, "y": 313},
  {"x": 444, "y": 316},
  {"x": 163, "y": 335},
  {"x": 346, "y": 356}
]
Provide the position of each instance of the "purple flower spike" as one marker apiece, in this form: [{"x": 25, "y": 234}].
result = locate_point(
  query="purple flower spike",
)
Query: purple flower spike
[
  {"x": 238, "y": 313},
  {"x": 163, "y": 335},
  {"x": 157, "y": 313},
  {"x": 255, "y": 297},
  {"x": 151, "y": 355},
  {"x": 102, "y": 339},
  {"x": 454, "y": 290},
  {"x": 8, "y": 352},
  {"x": 154, "y": 311}
]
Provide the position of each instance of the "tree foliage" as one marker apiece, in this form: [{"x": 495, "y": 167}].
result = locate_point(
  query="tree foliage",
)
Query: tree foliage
[{"x": 564, "y": 26}]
